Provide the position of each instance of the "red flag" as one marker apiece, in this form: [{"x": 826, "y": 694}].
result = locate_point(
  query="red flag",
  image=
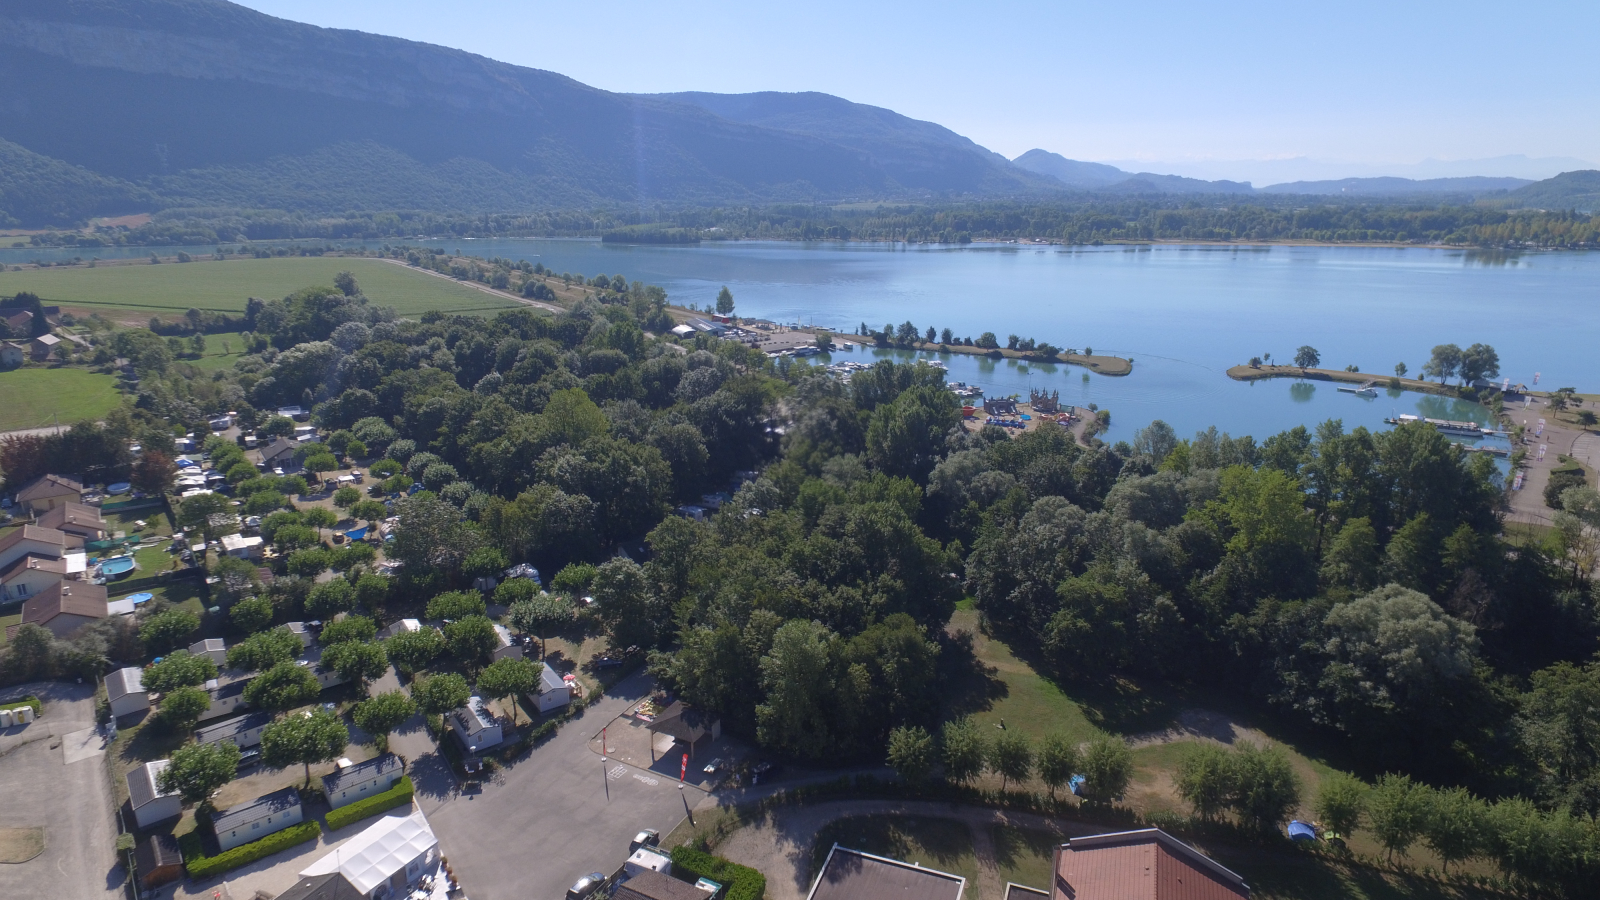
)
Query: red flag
[{"x": 683, "y": 769}]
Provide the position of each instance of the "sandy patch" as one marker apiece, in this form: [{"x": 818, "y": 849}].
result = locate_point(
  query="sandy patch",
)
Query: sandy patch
[{"x": 18, "y": 845}]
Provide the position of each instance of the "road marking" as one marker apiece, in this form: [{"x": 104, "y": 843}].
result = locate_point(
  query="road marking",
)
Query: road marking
[
  {"x": 647, "y": 779},
  {"x": 616, "y": 773}
]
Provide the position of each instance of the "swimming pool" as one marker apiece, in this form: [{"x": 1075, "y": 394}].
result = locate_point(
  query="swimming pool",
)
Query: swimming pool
[{"x": 118, "y": 567}]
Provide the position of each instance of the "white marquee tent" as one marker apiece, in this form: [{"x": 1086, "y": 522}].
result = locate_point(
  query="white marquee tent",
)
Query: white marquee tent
[{"x": 371, "y": 858}]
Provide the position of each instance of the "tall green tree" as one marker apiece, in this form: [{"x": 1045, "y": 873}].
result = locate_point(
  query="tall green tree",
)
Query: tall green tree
[
  {"x": 1011, "y": 757},
  {"x": 1397, "y": 809},
  {"x": 318, "y": 737},
  {"x": 381, "y": 714},
  {"x": 282, "y": 687},
  {"x": 1058, "y": 761},
  {"x": 966, "y": 750},
  {"x": 911, "y": 753},
  {"x": 1107, "y": 769},
  {"x": 507, "y": 679},
  {"x": 178, "y": 669},
  {"x": 198, "y": 771},
  {"x": 1341, "y": 803},
  {"x": 439, "y": 694},
  {"x": 264, "y": 649},
  {"x": 412, "y": 651},
  {"x": 541, "y": 615},
  {"x": 725, "y": 301}
]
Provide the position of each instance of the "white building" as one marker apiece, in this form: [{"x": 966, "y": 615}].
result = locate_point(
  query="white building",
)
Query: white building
[
  {"x": 554, "y": 692},
  {"x": 506, "y": 648},
  {"x": 358, "y": 781},
  {"x": 149, "y": 804},
  {"x": 125, "y": 691},
  {"x": 214, "y": 649},
  {"x": 255, "y": 820},
  {"x": 386, "y": 859},
  {"x": 476, "y": 728},
  {"x": 241, "y": 547}
]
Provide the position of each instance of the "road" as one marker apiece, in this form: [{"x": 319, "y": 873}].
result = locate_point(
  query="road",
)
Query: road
[
  {"x": 52, "y": 774},
  {"x": 556, "y": 814},
  {"x": 1560, "y": 439},
  {"x": 505, "y": 295}
]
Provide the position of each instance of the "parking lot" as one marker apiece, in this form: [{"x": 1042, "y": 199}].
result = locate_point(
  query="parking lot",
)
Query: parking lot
[
  {"x": 53, "y": 776},
  {"x": 557, "y": 814}
]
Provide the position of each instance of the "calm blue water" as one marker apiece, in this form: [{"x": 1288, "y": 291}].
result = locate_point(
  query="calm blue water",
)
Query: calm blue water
[{"x": 1183, "y": 313}]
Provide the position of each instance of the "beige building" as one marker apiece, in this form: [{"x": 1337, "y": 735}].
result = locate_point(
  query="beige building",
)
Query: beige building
[
  {"x": 49, "y": 491},
  {"x": 66, "y": 606}
]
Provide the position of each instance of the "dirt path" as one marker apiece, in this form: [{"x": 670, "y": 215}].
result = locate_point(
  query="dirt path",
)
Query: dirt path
[
  {"x": 780, "y": 844},
  {"x": 504, "y": 295}
]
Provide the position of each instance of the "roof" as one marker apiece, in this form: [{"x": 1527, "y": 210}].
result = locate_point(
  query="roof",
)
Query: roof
[
  {"x": 157, "y": 852},
  {"x": 228, "y": 684},
  {"x": 122, "y": 682},
  {"x": 142, "y": 783},
  {"x": 231, "y": 542},
  {"x": 550, "y": 680},
  {"x": 33, "y": 533},
  {"x": 202, "y": 647},
  {"x": 1147, "y": 864},
  {"x": 683, "y": 722},
  {"x": 474, "y": 717},
  {"x": 230, "y": 727},
  {"x": 1016, "y": 891},
  {"x": 332, "y": 886},
  {"x": 34, "y": 563},
  {"x": 66, "y": 598},
  {"x": 375, "y": 767},
  {"x": 261, "y": 807},
  {"x": 70, "y": 513},
  {"x": 852, "y": 875},
  {"x": 279, "y": 447},
  {"x": 369, "y": 858},
  {"x": 46, "y": 486},
  {"x": 651, "y": 885}
]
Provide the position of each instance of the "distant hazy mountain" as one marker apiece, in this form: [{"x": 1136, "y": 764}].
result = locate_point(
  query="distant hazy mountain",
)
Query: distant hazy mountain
[
  {"x": 1397, "y": 187},
  {"x": 206, "y": 102},
  {"x": 1301, "y": 168},
  {"x": 1569, "y": 190},
  {"x": 1076, "y": 173},
  {"x": 1148, "y": 183},
  {"x": 917, "y": 154}
]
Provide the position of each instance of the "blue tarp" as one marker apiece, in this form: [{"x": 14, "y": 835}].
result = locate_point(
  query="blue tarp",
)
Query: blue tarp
[{"x": 1300, "y": 831}]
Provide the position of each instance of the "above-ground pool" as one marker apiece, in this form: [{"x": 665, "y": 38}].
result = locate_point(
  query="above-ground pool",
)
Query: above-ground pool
[
  {"x": 136, "y": 599},
  {"x": 116, "y": 568},
  {"x": 121, "y": 487}
]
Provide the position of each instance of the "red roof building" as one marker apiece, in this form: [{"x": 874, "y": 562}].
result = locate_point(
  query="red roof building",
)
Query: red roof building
[{"x": 1148, "y": 864}]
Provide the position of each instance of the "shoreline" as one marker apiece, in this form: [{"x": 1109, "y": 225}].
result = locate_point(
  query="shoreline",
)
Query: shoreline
[
  {"x": 1259, "y": 373},
  {"x": 1116, "y": 366}
]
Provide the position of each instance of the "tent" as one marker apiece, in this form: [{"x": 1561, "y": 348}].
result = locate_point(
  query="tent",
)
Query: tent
[
  {"x": 394, "y": 844},
  {"x": 1300, "y": 831}
]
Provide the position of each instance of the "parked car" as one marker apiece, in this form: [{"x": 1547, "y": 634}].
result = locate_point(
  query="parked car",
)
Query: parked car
[
  {"x": 586, "y": 887},
  {"x": 646, "y": 838},
  {"x": 249, "y": 757},
  {"x": 606, "y": 662}
]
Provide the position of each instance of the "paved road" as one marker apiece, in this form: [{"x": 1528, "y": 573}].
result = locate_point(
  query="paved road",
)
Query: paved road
[
  {"x": 556, "y": 814},
  {"x": 52, "y": 774}
]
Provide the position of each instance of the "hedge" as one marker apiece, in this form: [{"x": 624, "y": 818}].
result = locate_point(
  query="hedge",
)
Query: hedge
[
  {"x": 377, "y": 803},
  {"x": 202, "y": 866},
  {"x": 29, "y": 700},
  {"x": 740, "y": 882}
]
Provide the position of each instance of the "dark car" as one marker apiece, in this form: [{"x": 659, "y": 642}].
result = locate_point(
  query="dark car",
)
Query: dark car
[
  {"x": 586, "y": 886},
  {"x": 249, "y": 757}
]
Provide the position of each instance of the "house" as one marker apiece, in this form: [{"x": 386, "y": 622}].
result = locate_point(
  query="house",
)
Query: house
[
  {"x": 214, "y": 649},
  {"x": 243, "y": 732},
  {"x": 505, "y": 648},
  {"x": 66, "y": 606},
  {"x": 656, "y": 886},
  {"x": 255, "y": 820},
  {"x": 1147, "y": 864},
  {"x": 227, "y": 694},
  {"x": 474, "y": 726},
  {"x": 383, "y": 861},
  {"x": 852, "y": 875},
  {"x": 43, "y": 346},
  {"x": 12, "y": 355},
  {"x": 76, "y": 519},
  {"x": 30, "y": 575},
  {"x": 298, "y": 413},
  {"x": 326, "y": 677},
  {"x": 126, "y": 693},
  {"x": 682, "y": 330},
  {"x": 46, "y": 542},
  {"x": 48, "y": 491},
  {"x": 150, "y": 804},
  {"x": 358, "y": 781},
  {"x": 690, "y": 726},
  {"x": 647, "y": 859},
  {"x": 240, "y": 547},
  {"x": 278, "y": 453},
  {"x": 20, "y": 321},
  {"x": 332, "y": 886},
  {"x": 158, "y": 860},
  {"x": 299, "y": 630},
  {"x": 554, "y": 692},
  {"x": 399, "y": 627}
]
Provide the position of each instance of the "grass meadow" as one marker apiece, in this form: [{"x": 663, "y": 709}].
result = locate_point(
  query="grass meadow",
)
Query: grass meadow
[
  {"x": 168, "y": 289},
  {"x": 35, "y": 398}
]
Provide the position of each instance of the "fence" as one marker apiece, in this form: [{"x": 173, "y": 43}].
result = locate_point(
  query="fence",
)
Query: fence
[
  {"x": 125, "y": 505},
  {"x": 158, "y": 580}
]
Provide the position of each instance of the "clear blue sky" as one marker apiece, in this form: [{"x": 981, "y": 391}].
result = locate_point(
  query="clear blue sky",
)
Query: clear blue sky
[{"x": 1358, "y": 82}]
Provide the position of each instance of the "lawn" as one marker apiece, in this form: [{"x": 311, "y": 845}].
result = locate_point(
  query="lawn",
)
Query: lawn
[
  {"x": 942, "y": 844},
  {"x": 222, "y": 351},
  {"x": 1025, "y": 855},
  {"x": 171, "y": 288},
  {"x": 7, "y": 622},
  {"x": 38, "y": 397}
]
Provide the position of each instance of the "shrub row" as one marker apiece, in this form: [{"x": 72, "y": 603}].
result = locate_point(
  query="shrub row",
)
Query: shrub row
[
  {"x": 740, "y": 882},
  {"x": 377, "y": 803},
  {"x": 202, "y": 866},
  {"x": 28, "y": 700}
]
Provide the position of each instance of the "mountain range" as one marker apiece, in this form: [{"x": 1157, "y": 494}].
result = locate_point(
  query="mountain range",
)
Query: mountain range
[{"x": 141, "y": 105}]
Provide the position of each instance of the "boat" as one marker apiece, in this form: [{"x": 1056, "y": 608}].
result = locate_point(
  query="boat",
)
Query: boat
[{"x": 1365, "y": 390}]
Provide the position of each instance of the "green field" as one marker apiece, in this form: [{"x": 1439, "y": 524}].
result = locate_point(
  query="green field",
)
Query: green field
[
  {"x": 36, "y": 397},
  {"x": 225, "y": 286}
]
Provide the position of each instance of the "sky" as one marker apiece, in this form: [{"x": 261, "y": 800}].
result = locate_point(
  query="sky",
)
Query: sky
[{"x": 1255, "y": 91}]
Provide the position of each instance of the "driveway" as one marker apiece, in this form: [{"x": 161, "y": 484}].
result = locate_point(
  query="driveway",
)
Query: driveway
[
  {"x": 52, "y": 774},
  {"x": 556, "y": 814}
]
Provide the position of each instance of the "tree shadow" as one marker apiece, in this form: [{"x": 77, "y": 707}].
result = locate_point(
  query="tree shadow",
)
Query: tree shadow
[
  {"x": 1012, "y": 845},
  {"x": 970, "y": 685}
]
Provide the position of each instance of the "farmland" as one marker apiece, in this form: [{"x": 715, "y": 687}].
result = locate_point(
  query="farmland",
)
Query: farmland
[
  {"x": 143, "y": 290},
  {"x": 34, "y": 397}
]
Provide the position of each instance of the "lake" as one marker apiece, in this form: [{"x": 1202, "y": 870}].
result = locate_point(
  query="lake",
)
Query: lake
[{"x": 1184, "y": 313}]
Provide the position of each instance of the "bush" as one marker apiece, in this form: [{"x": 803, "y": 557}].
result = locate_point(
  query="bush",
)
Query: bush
[
  {"x": 202, "y": 866},
  {"x": 740, "y": 882},
  {"x": 29, "y": 700},
  {"x": 377, "y": 803}
]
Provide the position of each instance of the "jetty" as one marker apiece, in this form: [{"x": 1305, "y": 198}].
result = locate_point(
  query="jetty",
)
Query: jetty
[{"x": 1446, "y": 426}]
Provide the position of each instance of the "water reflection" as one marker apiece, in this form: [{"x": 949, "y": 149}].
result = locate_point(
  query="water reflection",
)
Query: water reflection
[{"x": 1302, "y": 392}]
